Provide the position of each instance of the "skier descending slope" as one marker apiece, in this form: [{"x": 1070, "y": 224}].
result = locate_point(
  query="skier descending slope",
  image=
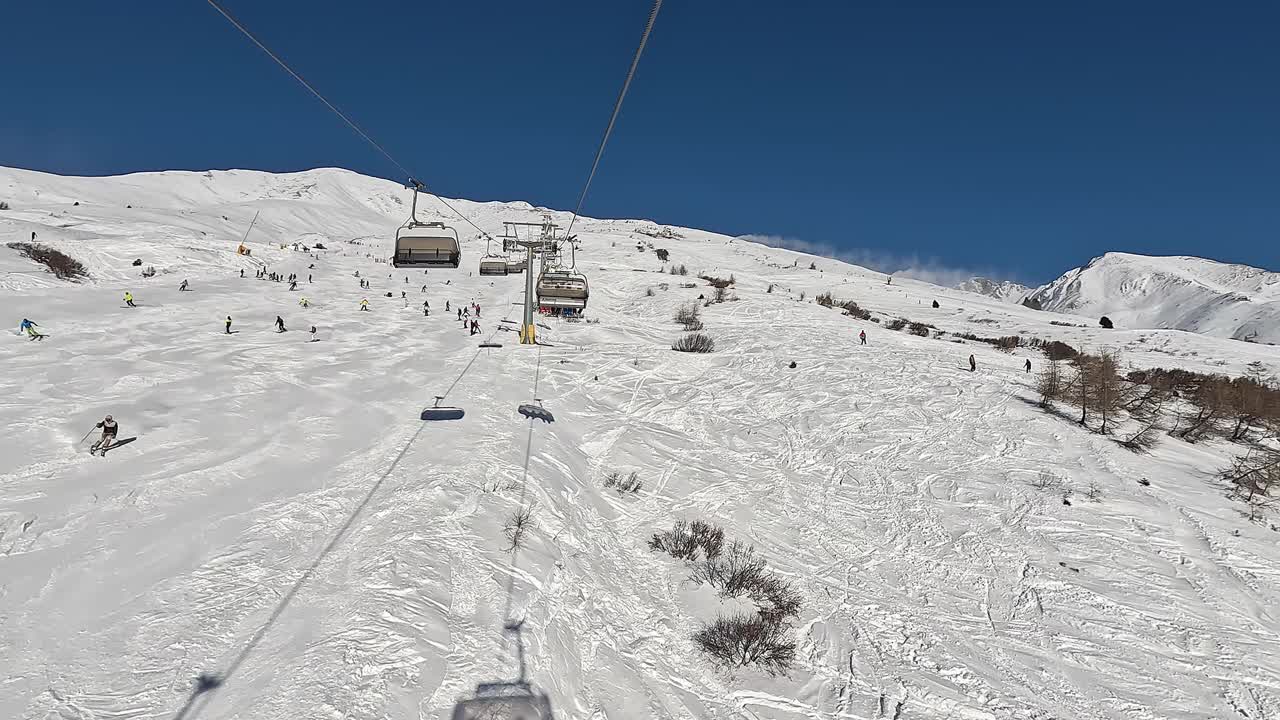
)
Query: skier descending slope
[
  {"x": 280, "y": 324},
  {"x": 128, "y": 299},
  {"x": 109, "y": 430},
  {"x": 29, "y": 328}
]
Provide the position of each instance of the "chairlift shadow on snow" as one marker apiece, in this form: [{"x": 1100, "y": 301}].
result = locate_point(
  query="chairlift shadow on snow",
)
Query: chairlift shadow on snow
[
  {"x": 204, "y": 683},
  {"x": 506, "y": 699},
  {"x": 438, "y": 412},
  {"x": 537, "y": 412}
]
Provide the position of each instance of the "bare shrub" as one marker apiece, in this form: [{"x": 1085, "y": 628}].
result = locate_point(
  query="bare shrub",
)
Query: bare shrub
[
  {"x": 718, "y": 296},
  {"x": 4, "y": 205},
  {"x": 518, "y": 523},
  {"x": 690, "y": 542},
  {"x": 662, "y": 254},
  {"x": 813, "y": 266},
  {"x": 1057, "y": 350},
  {"x": 802, "y": 296},
  {"x": 769, "y": 289},
  {"x": 735, "y": 572},
  {"x": 1047, "y": 481},
  {"x": 717, "y": 282},
  {"x": 1094, "y": 493},
  {"x": 648, "y": 292},
  {"x": 676, "y": 542},
  {"x": 695, "y": 343},
  {"x": 919, "y": 329},
  {"x": 63, "y": 266},
  {"x": 852, "y": 309},
  {"x": 743, "y": 640},
  {"x": 623, "y": 483},
  {"x": 688, "y": 315},
  {"x": 775, "y": 598},
  {"x": 825, "y": 299},
  {"x": 896, "y": 324}
]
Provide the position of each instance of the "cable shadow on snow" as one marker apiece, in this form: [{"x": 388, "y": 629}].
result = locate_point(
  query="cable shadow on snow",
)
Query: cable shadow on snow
[{"x": 207, "y": 683}]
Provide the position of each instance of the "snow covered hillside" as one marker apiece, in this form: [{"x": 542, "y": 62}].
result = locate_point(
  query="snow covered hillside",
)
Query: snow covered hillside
[
  {"x": 1183, "y": 293},
  {"x": 286, "y": 524},
  {"x": 1006, "y": 290}
]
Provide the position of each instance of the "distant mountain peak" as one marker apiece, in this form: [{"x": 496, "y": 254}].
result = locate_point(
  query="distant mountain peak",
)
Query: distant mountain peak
[
  {"x": 1177, "y": 291},
  {"x": 1005, "y": 290}
]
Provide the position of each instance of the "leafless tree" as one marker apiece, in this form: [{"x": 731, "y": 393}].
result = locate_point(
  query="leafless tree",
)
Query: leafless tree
[
  {"x": 1049, "y": 383},
  {"x": 1255, "y": 479},
  {"x": 518, "y": 523}
]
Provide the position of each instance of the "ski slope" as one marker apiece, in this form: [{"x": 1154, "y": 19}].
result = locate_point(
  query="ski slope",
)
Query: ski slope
[{"x": 286, "y": 522}]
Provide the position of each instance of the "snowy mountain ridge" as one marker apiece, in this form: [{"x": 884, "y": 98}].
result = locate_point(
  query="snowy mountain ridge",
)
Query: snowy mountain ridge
[
  {"x": 1006, "y": 290},
  {"x": 287, "y": 539},
  {"x": 1185, "y": 293}
]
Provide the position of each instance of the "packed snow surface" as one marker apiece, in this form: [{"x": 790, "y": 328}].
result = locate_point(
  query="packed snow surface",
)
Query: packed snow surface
[
  {"x": 285, "y": 522},
  {"x": 1183, "y": 293}
]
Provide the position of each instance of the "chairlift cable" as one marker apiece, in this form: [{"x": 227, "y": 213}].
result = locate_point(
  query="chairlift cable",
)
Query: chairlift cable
[
  {"x": 351, "y": 123},
  {"x": 617, "y": 107}
]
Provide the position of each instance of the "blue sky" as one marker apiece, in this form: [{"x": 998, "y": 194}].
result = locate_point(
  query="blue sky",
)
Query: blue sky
[{"x": 1012, "y": 138}]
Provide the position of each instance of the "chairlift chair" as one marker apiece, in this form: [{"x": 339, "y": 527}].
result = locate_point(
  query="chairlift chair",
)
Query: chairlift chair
[
  {"x": 425, "y": 244},
  {"x": 562, "y": 290},
  {"x": 493, "y": 265}
]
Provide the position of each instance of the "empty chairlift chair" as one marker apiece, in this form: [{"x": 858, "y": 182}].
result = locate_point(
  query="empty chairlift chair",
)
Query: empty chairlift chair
[
  {"x": 562, "y": 291},
  {"x": 493, "y": 266},
  {"x": 425, "y": 244},
  {"x": 492, "y": 263}
]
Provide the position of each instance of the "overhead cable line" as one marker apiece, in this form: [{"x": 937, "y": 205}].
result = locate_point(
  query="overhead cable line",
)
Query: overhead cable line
[
  {"x": 350, "y": 123},
  {"x": 617, "y": 107}
]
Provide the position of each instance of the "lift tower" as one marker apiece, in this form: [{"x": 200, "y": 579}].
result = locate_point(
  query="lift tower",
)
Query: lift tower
[{"x": 545, "y": 241}]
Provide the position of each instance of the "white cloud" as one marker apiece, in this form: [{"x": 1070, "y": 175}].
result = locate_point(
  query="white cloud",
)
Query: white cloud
[{"x": 929, "y": 270}]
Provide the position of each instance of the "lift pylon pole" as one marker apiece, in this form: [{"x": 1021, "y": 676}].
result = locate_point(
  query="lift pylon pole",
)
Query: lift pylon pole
[{"x": 528, "y": 332}]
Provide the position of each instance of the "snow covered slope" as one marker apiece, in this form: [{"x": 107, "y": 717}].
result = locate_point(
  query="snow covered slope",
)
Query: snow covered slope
[
  {"x": 1185, "y": 293},
  {"x": 1006, "y": 290},
  {"x": 284, "y": 521}
]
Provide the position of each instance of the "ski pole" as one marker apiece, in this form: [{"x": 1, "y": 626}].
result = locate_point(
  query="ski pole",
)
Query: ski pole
[{"x": 86, "y": 435}]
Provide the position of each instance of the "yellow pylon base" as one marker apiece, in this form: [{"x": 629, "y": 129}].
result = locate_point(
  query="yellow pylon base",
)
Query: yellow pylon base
[{"x": 528, "y": 335}]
